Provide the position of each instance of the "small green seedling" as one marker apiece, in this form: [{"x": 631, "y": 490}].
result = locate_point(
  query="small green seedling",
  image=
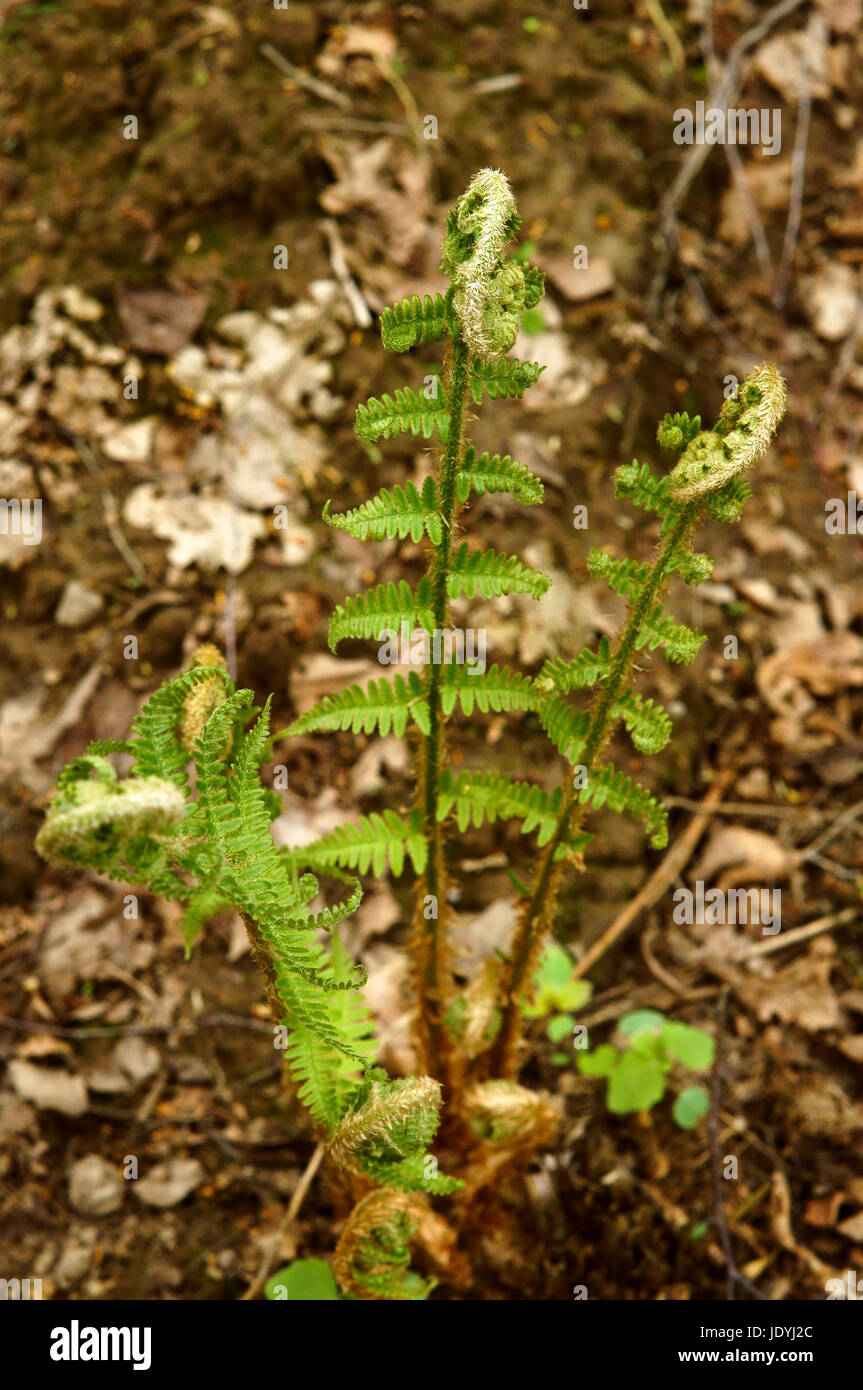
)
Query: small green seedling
[
  {"x": 303, "y": 1281},
  {"x": 558, "y": 992},
  {"x": 637, "y": 1071}
]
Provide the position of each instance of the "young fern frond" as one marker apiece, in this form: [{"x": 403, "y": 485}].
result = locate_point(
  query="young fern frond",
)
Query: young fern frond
[
  {"x": 383, "y": 707},
  {"x": 490, "y": 573},
  {"x": 705, "y": 479},
  {"x": 416, "y": 320},
  {"x": 405, "y": 412},
  {"x": 378, "y": 842},
  {"x": 495, "y": 473},
  {"x": 508, "y": 379},
  {"x": 394, "y": 515},
  {"x": 382, "y": 609},
  {"x": 498, "y": 690}
]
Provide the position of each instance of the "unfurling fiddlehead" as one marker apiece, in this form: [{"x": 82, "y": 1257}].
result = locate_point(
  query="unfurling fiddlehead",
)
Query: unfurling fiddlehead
[
  {"x": 372, "y": 1257},
  {"x": 90, "y": 819},
  {"x": 746, "y": 425},
  {"x": 489, "y": 293}
]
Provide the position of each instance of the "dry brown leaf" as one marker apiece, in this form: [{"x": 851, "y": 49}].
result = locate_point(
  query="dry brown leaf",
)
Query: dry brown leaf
[
  {"x": 749, "y": 853},
  {"x": 159, "y": 319}
]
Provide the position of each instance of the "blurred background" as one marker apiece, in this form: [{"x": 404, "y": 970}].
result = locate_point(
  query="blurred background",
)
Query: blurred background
[{"x": 203, "y": 208}]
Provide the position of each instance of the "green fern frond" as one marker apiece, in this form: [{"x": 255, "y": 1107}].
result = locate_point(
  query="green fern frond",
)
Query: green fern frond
[
  {"x": 506, "y": 378},
  {"x": 393, "y": 515},
  {"x": 610, "y": 787},
  {"x": 204, "y": 903},
  {"x": 676, "y": 431},
  {"x": 382, "y": 609},
  {"x": 491, "y": 573},
  {"x": 692, "y": 566},
  {"x": 403, "y": 413},
  {"x": 648, "y": 724},
  {"x": 414, "y": 320},
  {"x": 625, "y": 577},
  {"x": 534, "y": 286},
  {"x": 388, "y": 1133},
  {"x": 637, "y": 483},
  {"x": 490, "y": 796},
  {"x": 156, "y": 746},
  {"x": 330, "y": 917},
  {"x": 682, "y": 644},
  {"x": 378, "y": 840},
  {"x": 382, "y": 706},
  {"x": 497, "y": 473},
  {"x": 566, "y": 726},
  {"x": 499, "y": 689},
  {"x": 328, "y": 1079},
  {"x": 103, "y": 747},
  {"x": 726, "y": 503},
  {"x": 586, "y": 669}
]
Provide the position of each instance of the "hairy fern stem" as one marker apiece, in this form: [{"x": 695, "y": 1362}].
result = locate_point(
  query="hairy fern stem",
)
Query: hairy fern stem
[
  {"x": 431, "y": 966},
  {"x": 535, "y": 918}
]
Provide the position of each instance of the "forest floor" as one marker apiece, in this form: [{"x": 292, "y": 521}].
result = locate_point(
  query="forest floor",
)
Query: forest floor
[{"x": 165, "y": 385}]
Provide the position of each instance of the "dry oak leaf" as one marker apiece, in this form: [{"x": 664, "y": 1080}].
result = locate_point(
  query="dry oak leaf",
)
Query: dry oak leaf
[
  {"x": 746, "y": 853},
  {"x": 831, "y": 664},
  {"x": 800, "y": 993},
  {"x": 388, "y": 183}
]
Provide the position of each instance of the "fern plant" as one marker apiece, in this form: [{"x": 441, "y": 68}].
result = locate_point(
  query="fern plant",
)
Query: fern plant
[{"x": 209, "y": 845}]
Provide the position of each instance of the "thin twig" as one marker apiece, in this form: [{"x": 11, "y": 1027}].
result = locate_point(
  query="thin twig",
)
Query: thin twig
[
  {"x": 734, "y": 1275},
  {"x": 795, "y": 198},
  {"x": 670, "y": 868},
  {"x": 110, "y": 510},
  {"x": 338, "y": 260},
  {"x": 804, "y": 933},
  {"x": 697, "y": 154},
  {"x": 304, "y": 79},
  {"x": 56, "y": 1030},
  {"x": 291, "y": 1213}
]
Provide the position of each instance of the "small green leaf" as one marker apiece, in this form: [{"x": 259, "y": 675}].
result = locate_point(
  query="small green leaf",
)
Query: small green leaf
[
  {"x": 560, "y": 1027},
  {"x": 303, "y": 1281},
  {"x": 602, "y": 1062},
  {"x": 639, "y": 1021},
  {"x": 690, "y": 1046},
  {"x": 690, "y": 1106},
  {"x": 635, "y": 1084}
]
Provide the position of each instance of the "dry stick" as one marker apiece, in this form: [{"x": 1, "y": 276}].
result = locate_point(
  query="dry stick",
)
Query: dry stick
[
  {"x": 291, "y": 1213},
  {"x": 303, "y": 79},
  {"x": 804, "y": 933},
  {"x": 756, "y": 226},
  {"x": 698, "y": 153},
  {"x": 136, "y": 1030},
  {"x": 110, "y": 510},
  {"x": 670, "y": 869},
  {"x": 338, "y": 260},
  {"x": 667, "y": 33},
  {"x": 734, "y": 1275},
  {"x": 795, "y": 199}
]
